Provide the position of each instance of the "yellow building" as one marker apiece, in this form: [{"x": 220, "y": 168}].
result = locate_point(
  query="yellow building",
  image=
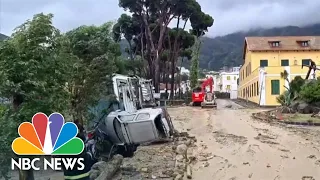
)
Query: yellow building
[{"x": 266, "y": 57}]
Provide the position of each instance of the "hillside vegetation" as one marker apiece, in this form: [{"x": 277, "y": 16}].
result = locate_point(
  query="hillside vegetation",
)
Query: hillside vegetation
[{"x": 2, "y": 37}]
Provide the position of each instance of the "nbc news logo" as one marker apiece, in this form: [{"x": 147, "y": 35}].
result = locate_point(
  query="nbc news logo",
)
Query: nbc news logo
[{"x": 48, "y": 136}]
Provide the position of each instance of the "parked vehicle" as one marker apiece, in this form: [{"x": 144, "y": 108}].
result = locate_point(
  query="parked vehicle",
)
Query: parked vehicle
[{"x": 133, "y": 119}]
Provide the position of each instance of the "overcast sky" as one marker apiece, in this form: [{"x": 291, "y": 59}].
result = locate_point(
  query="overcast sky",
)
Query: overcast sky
[{"x": 230, "y": 15}]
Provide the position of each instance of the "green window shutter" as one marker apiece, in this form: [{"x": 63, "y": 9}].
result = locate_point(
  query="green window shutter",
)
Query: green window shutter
[
  {"x": 263, "y": 63},
  {"x": 284, "y": 62},
  {"x": 305, "y": 61},
  {"x": 275, "y": 87}
]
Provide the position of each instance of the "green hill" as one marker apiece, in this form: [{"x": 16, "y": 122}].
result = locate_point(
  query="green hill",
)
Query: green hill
[{"x": 227, "y": 50}]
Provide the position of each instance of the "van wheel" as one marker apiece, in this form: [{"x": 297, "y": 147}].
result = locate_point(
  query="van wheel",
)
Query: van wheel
[{"x": 127, "y": 150}]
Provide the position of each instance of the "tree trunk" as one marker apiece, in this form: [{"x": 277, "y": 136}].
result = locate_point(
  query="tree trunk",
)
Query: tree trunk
[
  {"x": 166, "y": 79},
  {"x": 179, "y": 78},
  {"x": 173, "y": 67},
  {"x": 17, "y": 100},
  {"x": 26, "y": 175}
]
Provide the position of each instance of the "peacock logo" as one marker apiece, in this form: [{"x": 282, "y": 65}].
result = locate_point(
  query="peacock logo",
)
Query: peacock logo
[{"x": 48, "y": 136}]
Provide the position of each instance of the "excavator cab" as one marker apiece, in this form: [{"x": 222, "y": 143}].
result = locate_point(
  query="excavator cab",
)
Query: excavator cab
[{"x": 209, "y": 101}]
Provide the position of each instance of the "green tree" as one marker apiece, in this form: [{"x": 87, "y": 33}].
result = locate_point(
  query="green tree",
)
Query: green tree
[
  {"x": 129, "y": 28},
  {"x": 178, "y": 42},
  {"x": 200, "y": 22},
  {"x": 154, "y": 29},
  {"x": 33, "y": 74},
  {"x": 310, "y": 92},
  {"x": 95, "y": 56}
]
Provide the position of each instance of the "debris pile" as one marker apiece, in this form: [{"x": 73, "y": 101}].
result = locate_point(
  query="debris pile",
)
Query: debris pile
[
  {"x": 169, "y": 160},
  {"x": 184, "y": 156},
  {"x": 106, "y": 170}
]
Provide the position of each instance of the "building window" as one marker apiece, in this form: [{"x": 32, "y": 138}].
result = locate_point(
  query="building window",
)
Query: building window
[
  {"x": 228, "y": 87},
  {"x": 275, "y": 44},
  {"x": 285, "y": 62},
  {"x": 228, "y": 77},
  {"x": 257, "y": 88},
  {"x": 252, "y": 90},
  {"x": 263, "y": 63},
  {"x": 243, "y": 92},
  {"x": 247, "y": 91},
  {"x": 305, "y": 61},
  {"x": 304, "y": 43},
  {"x": 275, "y": 87},
  {"x": 234, "y": 78}
]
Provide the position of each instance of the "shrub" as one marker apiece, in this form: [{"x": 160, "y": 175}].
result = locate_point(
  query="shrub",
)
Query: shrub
[
  {"x": 310, "y": 92},
  {"x": 286, "y": 98},
  {"x": 296, "y": 84}
]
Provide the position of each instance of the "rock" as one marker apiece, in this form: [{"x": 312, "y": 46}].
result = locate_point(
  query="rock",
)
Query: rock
[
  {"x": 153, "y": 176},
  {"x": 111, "y": 168},
  {"x": 294, "y": 105},
  {"x": 168, "y": 172},
  {"x": 206, "y": 164},
  {"x": 189, "y": 172},
  {"x": 144, "y": 169},
  {"x": 188, "y": 142},
  {"x": 179, "y": 177},
  {"x": 304, "y": 108},
  {"x": 201, "y": 158},
  {"x": 94, "y": 174},
  {"x": 180, "y": 158},
  {"x": 181, "y": 149},
  {"x": 180, "y": 165},
  {"x": 307, "y": 178},
  {"x": 312, "y": 157},
  {"x": 101, "y": 165},
  {"x": 228, "y": 106}
]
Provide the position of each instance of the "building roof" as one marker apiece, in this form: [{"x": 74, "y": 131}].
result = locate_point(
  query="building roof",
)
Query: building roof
[{"x": 286, "y": 43}]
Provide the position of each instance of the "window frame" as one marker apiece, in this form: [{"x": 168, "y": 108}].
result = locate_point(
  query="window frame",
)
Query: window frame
[
  {"x": 309, "y": 60},
  {"x": 264, "y": 60},
  {"x": 273, "y": 88},
  {"x": 304, "y": 43},
  {"x": 285, "y": 60}
]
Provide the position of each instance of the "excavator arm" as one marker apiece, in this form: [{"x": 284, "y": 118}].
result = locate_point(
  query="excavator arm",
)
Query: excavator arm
[
  {"x": 207, "y": 82},
  {"x": 312, "y": 66}
]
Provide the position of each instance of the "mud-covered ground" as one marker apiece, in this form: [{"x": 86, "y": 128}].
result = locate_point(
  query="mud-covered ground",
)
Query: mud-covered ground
[
  {"x": 243, "y": 148},
  {"x": 230, "y": 146}
]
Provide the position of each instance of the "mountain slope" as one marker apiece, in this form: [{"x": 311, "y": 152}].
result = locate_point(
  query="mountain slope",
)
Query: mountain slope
[
  {"x": 2, "y": 37},
  {"x": 227, "y": 50}
]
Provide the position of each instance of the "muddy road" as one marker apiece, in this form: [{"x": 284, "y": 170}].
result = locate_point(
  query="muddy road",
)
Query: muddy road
[{"x": 242, "y": 148}]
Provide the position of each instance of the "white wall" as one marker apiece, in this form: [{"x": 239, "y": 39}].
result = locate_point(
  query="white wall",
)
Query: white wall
[{"x": 232, "y": 82}]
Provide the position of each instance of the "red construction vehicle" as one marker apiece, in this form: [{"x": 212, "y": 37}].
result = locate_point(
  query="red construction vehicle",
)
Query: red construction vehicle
[{"x": 200, "y": 96}]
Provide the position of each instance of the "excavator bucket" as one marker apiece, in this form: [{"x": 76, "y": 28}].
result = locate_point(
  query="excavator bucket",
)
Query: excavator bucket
[{"x": 209, "y": 101}]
